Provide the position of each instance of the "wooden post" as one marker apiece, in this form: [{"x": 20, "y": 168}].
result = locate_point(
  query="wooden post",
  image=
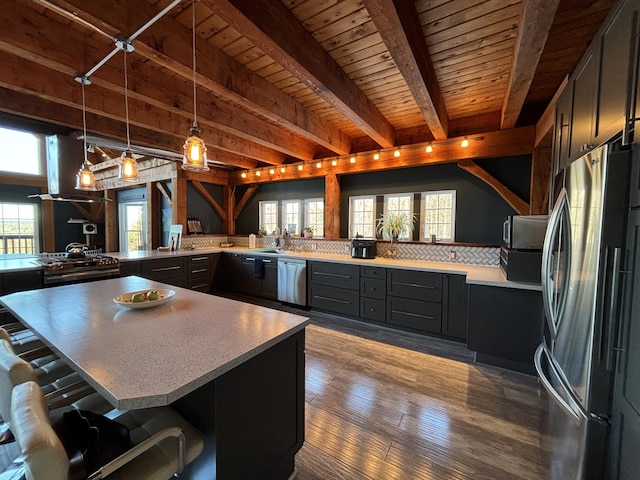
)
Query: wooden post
[
  {"x": 179, "y": 200},
  {"x": 331, "y": 206},
  {"x": 229, "y": 206},
  {"x": 154, "y": 216},
  {"x": 111, "y": 222},
  {"x": 540, "y": 181}
]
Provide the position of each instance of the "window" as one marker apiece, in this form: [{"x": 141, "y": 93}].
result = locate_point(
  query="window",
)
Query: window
[
  {"x": 314, "y": 215},
  {"x": 268, "y": 216},
  {"x": 362, "y": 216},
  {"x": 438, "y": 215},
  {"x": 19, "y": 228},
  {"x": 20, "y": 152},
  {"x": 400, "y": 204},
  {"x": 291, "y": 217},
  {"x": 133, "y": 226}
]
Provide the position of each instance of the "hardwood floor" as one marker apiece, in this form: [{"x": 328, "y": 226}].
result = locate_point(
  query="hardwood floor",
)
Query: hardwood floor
[
  {"x": 377, "y": 411},
  {"x": 383, "y": 404}
]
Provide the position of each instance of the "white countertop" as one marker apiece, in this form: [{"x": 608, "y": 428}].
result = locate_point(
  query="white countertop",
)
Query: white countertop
[
  {"x": 476, "y": 274},
  {"x": 151, "y": 357}
]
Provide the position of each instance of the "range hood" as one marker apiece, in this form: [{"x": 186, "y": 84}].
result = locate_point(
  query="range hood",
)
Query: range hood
[{"x": 64, "y": 157}]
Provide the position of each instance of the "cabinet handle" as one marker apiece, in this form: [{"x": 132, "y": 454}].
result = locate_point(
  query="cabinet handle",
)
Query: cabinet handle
[
  {"x": 199, "y": 286},
  {"x": 249, "y": 259},
  {"x": 335, "y": 300},
  {"x": 410, "y": 314},
  {"x": 332, "y": 275},
  {"x": 198, "y": 259},
  {"x": 164, "y": 269},
  {"x": 266, "y": 261},
  {"x": 200, "y": 270},
  {"x": 416, "y": 285}
]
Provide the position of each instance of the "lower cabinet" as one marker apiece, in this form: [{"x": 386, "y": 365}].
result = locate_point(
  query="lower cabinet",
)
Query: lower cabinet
[
  {"x": 505, "y": 326},
  {"x": 260, "y": 282},
  {"x": 11, "y": 282},
  {"x": 334, "y": 287},
  {"x": 171, "y": 270},
  {"x": 414, "y": 314},
  {"x": 199, "y": 273},
  {"x": 455, "y": 306}
]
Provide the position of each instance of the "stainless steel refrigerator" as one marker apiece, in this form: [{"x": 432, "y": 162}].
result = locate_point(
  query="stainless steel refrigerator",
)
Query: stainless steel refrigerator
[{"x": 580, "y": 272}]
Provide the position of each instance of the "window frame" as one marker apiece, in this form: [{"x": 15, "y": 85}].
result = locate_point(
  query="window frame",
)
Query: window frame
[
  {"x": 352, "y": 213},
  {"x": 262, "y": 221},
  {"x": 317, "y": 231},
  {"x": 35, "y": 237},
  {"x": 123, "y": 231},
  {"x": 283, "y": 216},
  {"x": 423, "y": 216},
  {"x": 387, "y": 197}
]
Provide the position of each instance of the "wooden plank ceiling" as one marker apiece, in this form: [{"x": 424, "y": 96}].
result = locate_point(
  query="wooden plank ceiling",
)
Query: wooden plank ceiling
[{"x": 286, "y": 81}]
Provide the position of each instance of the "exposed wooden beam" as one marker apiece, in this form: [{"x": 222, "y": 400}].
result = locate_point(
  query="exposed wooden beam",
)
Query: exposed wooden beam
[
  {"x": 502, "y": 143},
  {"x": 536, "y": 20},
  {"x": 519, "y": 205},
  {"x": 228, "y": 203},
  {"x": 209, "y": 198},
  {"x": 243, "y": 201},
  {"x": 216, "y": 72},
  {"x": 548, "y": 118},
  {"x": 332, "y": 206},
  {"x": 165, "y": 193},
  {"x": 398, "y": 24},
  {"x": 279, "y": 33},
  {"x": 62, "y": 88}
]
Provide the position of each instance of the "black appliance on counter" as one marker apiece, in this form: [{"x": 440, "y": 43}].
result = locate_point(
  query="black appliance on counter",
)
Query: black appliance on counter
[
  {"x": 364, "y": 248},
  {"x": 521, "y": 252}
]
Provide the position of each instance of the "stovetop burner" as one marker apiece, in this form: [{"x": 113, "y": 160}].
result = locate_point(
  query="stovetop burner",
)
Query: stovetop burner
[{"x": 57, "y": 262}]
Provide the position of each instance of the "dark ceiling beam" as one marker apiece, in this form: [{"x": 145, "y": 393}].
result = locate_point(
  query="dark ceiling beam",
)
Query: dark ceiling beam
[
  {"x": 280, "y": 35},
  {"x": 146, "y": 82},
  {"x": 168, "y": 44},
  {"x": 535, "y": 23},
  {"x": 398, "y": 23}
]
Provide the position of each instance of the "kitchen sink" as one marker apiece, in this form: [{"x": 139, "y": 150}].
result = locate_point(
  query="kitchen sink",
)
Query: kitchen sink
[{"x": 269, "y": 250}]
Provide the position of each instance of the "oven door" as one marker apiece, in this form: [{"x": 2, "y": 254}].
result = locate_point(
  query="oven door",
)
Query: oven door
[{"x": 53, "y": 279}]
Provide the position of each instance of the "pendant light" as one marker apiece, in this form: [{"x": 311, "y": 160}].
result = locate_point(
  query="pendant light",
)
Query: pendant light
[
  {"x": 84, "y": 178},
  {"x": 195, "y": 151},
  {"x": 128, "y": 167}
]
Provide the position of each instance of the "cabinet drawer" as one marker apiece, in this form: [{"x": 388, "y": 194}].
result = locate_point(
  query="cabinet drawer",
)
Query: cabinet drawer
[
  {"x": 373, "y": 287},
  {"x": 416, "y": 314},
  {"x": 199, "y": 265},
  {"x": 200, "y": 284},
  {"x": 413, "y": 284},
  {"x": 334, "y": 299},
  {"x": 372, "y": 309},
  {"x": 164, "y": 268},
  {"x": 373, "y": 272},
  {"x": 335, "y": 275}
]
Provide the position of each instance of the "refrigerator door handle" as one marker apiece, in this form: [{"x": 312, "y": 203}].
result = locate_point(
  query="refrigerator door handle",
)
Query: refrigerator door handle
[
  {"x": 568, "y": 405},
  {"x": 553, "y": 306},
  {"x": 613, "y": 311}
]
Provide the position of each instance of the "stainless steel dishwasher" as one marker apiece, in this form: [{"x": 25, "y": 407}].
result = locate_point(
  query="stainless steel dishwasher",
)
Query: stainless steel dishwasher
[{"x": 292, "y": 281}]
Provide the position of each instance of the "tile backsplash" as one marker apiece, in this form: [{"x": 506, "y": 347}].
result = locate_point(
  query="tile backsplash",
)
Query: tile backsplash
[{"x": 405, "y": 251}]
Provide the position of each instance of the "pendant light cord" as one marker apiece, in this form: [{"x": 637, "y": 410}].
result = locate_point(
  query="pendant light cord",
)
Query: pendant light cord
[
  {"x": 84, "y": 122},
  {"x": 193, "y": 49},
  {"x": 126, "y": 100}
]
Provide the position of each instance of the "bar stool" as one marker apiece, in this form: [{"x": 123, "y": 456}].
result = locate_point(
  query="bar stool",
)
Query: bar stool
[
  {"x": 163, "y": 442},
  {"x": 69, "y": 390}
]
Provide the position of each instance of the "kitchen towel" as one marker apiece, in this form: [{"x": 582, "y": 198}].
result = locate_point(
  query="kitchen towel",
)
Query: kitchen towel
[{"x": 258, "y": 268}]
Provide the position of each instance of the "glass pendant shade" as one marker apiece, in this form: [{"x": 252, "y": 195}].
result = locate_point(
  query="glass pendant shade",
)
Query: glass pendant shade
[
  {"x": 128, "y": 167},
  {"x": 195, "y": 152},
  {"x": 85, "y": 179}
]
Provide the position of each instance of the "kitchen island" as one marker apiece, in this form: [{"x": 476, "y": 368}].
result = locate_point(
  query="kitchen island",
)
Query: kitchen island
[{"x": 235, "y": 370}]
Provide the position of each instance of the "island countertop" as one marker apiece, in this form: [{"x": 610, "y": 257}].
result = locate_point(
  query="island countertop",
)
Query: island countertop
[{"x": 148, "y": 357}]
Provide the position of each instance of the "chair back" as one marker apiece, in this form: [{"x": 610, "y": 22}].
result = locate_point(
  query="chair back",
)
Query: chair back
[
  {"x": 44, "y": 455},
  {"x": 13, "y": 371}
]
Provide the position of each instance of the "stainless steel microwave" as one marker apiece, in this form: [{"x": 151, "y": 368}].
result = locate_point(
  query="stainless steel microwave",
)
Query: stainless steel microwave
[{"x": 525, "y": 232}]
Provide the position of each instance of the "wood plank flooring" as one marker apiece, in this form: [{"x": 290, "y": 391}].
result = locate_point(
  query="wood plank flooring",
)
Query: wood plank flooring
[{"x": 383, "y": 404}]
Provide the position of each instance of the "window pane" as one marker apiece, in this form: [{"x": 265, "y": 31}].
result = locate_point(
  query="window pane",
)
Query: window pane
[
  {"x": 314, "y": 216},
  {"x": 20, "y": 152},
  {"x": 362, "y": 215},
  {"x": 400, "y": 205},
  {"x": 18, "y": 228},
  {"x": 439, "y": 215}
]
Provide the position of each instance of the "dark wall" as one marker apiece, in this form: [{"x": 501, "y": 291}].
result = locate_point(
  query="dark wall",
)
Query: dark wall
[
  {"x": 198, "y": 206},
  {"x": 248, "y": 220},
  {"x": 479, "y": 209}
]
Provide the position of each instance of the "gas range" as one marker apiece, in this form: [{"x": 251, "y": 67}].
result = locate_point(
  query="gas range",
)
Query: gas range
[{"x": 58, "y": 268}]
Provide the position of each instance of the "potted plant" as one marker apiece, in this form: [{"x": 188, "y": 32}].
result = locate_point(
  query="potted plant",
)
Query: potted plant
[
  {"x": 392, "y": 225},
  {"x": 308, "y": 232},
  {"x": 262, "y": 230}
]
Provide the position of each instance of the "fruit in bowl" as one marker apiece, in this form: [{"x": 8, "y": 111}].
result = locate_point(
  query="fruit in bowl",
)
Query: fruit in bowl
[
  {"x": 153, "y": 295},
  {"x": 138, "y": 297}
]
